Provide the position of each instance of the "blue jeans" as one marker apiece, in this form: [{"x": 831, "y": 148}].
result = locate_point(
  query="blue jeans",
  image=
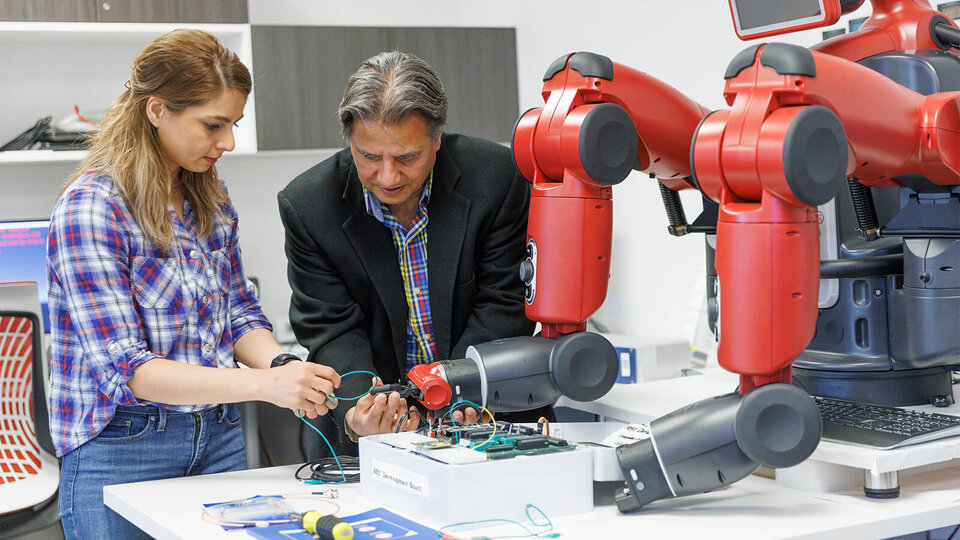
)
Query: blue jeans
[{"x": 144, "y": 443}]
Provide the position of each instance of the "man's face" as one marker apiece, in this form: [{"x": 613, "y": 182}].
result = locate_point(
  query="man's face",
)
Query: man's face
[{"x": 394, "y": 162}]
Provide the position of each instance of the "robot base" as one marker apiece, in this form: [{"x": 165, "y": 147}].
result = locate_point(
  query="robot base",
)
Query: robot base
[{"x": 892, "y": 388}]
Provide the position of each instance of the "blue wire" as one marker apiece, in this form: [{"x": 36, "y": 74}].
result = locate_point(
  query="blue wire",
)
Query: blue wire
[
  {"x": 334, "y": 454},
  {"x": 361, "y": 395},
  {"x": 337, "y": 399},
  {"x": 547, "y": 533}
]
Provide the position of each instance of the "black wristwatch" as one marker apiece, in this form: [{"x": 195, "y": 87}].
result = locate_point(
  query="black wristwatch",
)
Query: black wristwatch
[{"x": 283, "y": 358}]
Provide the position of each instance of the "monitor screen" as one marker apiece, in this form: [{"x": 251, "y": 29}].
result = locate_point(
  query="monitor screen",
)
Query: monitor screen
[
  {"x": 23, "y": 256},
  {"x": 833, "y": 33},
  {"x": 756, "y": 15},
  {"x": 855, "y": 24}
]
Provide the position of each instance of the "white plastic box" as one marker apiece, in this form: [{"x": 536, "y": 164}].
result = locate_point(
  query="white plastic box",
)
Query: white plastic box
[
  {"x": 438, "y": 494},
  {"x": 649, "y": 359}
]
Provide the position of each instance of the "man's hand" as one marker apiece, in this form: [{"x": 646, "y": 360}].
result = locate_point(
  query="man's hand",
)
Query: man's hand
[
  {"x": 304, "y": 387},
  {"x": 373, "y": 415}
]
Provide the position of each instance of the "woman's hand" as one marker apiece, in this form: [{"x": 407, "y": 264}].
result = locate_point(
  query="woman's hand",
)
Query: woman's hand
[{"x": 304, "y": 387}]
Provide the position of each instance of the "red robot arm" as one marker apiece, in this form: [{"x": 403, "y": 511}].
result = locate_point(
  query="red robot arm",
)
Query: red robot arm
[
  {"x": 894, "y": 25},
  {"x": 794, "y": 133},
  {"x": 596, "y": 126}
]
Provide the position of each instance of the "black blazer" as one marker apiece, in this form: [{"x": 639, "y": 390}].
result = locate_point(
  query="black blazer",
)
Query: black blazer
[{"x": 348, "y": 306}]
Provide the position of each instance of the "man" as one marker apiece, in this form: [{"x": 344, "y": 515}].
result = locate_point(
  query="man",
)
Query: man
[{"x": 403, "y": 248}]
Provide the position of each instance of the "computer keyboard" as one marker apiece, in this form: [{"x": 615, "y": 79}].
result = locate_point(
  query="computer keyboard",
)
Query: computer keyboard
[{"x": 882, "y": 427}]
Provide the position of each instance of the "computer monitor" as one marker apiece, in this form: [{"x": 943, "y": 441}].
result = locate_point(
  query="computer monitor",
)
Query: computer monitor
[
  {"x": 754, "y": 19},
  {"x": 23, "y": 256}
]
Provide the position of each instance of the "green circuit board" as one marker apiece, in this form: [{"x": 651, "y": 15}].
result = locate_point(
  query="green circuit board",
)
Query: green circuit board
[{"x": 507, "y": 441}]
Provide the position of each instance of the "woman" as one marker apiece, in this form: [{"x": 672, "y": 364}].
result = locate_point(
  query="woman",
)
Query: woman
[{"x": 148, "y": 299}]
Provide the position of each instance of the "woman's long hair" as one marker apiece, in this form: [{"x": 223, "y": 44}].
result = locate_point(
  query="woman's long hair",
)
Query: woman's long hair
[{"x": 182, "y": 68}]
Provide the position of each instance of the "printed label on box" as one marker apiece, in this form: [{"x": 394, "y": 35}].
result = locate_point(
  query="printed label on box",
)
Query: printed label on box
[
  {"x": 628, "y": 434},
  {"x": 401, "y": 478}
]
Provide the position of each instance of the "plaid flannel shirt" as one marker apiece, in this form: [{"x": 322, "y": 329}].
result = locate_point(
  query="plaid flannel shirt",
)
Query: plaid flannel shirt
[
  {"x": 411, "y": 246},
  {"x": 117, "y": 301}
]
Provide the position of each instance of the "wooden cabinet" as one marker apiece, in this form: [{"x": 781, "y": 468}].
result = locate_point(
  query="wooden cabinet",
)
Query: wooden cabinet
[
  {"x": 48, "y": 10},
  {"x": 172, "y": 11},
  {"x": 151, "y": 11},
  {"x": 301, "y": 72}
]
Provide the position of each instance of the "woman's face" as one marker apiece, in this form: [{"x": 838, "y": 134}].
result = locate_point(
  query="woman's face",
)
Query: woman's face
[{"x": 196, "y": 137}]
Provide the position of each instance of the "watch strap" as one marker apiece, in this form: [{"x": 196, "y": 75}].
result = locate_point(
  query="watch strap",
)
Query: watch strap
[{"x": 283, "y": 358}]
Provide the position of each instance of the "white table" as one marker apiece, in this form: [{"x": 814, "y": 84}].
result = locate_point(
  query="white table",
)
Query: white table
[
  {"x": 645, "y": 401},
  {"x": 756, "y": 507}
]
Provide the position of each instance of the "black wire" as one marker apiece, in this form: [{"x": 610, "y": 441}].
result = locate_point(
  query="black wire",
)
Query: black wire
[
  {"x": 450, "y": 410},
  {"x": 28, "y": 137},
  {"x": 297, "y": 474},
  {"x": 327, "y": 470},
  {"x": 954, "y": 533},
  {"x": 400, "y": 422},
  {"x": 404, "y": 416}
]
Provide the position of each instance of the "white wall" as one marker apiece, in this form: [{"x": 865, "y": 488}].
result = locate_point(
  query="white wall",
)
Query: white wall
[
  {"x": 254, "y": 181},
  {"x": 687, "y": 45}
]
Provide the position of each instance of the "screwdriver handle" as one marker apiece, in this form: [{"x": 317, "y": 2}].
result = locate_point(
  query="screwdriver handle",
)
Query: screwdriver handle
[{"x": 327, "y": 527}]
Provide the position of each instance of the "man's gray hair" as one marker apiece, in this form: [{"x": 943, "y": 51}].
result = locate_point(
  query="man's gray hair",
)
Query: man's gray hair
[{"x": 390, "y": 86}]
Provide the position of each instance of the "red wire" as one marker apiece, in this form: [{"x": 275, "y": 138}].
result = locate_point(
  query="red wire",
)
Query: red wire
[{"x": 83, "y": 118}]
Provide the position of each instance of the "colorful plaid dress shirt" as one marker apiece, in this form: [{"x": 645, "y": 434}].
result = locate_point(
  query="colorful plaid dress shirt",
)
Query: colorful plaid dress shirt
[
  {"x": 411, "y": 246},
  {"x": 117, "y": 301}
]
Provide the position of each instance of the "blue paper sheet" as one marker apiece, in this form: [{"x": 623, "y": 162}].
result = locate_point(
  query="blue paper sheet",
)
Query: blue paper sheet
[{"x": 376, "y": 524}]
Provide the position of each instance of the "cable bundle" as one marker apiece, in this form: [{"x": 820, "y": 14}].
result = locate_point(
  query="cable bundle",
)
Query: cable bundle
[{"x": 26, "y": 139}]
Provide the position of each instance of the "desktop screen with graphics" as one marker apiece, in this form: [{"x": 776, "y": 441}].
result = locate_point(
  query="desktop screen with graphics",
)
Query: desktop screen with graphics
[{"x": 23, "y": 256}]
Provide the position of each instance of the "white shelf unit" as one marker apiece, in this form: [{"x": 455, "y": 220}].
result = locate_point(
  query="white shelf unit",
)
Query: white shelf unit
[
  {"x": 47, "y": 68},
  {"x": 41, "y": 156}
]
